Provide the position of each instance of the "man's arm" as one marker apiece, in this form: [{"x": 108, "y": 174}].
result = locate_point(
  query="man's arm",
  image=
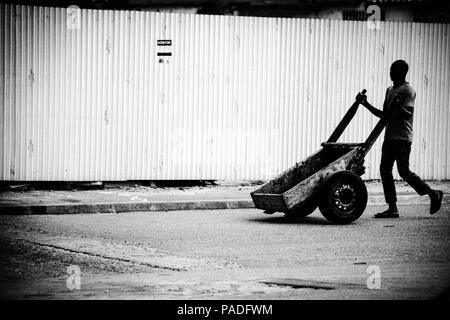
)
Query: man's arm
[
  {"x": 376, "y": 112},
  {"x": 406, "y": 101},
  {"x": 406, "y": 112}
]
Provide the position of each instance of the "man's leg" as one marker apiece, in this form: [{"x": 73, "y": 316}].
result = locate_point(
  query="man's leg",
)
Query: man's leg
[
  {"x": 388, "y": 155},
  {"x": 404, "y": 150}
]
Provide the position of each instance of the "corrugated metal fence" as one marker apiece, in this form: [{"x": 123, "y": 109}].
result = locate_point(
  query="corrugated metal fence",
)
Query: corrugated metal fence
[{"x": 238, "y": 98}]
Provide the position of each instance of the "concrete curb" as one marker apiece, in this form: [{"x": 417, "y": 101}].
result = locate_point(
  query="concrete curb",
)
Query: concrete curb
[{"x": 71, "y": 208}]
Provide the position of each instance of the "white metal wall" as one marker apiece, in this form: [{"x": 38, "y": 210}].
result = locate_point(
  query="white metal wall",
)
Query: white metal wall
[{"x": 240, "y": 97}]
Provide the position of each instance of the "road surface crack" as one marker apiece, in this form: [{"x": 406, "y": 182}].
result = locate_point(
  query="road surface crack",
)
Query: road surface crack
[{"x": 103, "y": 256}]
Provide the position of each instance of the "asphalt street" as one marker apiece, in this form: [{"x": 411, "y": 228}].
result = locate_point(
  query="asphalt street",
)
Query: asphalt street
[{"x": 226, "y": 254}]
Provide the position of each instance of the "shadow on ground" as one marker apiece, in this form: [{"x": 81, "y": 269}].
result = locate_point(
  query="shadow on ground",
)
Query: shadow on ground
[{"x": 290, "y": 220}]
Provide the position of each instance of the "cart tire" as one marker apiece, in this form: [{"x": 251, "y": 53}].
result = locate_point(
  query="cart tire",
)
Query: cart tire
[
  {"x": 342, "y": 197},
  {"x": 303, "y": 210}
]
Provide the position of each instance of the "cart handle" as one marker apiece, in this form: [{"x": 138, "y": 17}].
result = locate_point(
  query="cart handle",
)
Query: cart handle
[{"x": 346, "y": 119}]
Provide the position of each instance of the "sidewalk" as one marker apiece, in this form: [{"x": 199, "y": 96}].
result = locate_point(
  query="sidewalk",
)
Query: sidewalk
[{"x": 139, "y": 198}]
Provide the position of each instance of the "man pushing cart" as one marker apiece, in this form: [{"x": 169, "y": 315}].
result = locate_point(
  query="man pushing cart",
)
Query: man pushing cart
[{"x": 330, "y": 178}]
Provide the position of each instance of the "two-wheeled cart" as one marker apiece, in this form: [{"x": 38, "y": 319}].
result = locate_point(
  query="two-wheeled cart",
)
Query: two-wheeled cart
[{"x": 328, "y": 179}]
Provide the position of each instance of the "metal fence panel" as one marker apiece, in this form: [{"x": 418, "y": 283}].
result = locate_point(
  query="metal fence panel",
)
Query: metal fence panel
[{"x": 239, "y": 97}]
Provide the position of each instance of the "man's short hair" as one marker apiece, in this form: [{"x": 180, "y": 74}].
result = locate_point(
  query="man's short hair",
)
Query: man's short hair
[{"x": 401, "y": 66}]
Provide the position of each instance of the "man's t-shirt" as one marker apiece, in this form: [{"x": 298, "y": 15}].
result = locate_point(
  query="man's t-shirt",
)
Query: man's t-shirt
[{"x": 397, "y": 127}]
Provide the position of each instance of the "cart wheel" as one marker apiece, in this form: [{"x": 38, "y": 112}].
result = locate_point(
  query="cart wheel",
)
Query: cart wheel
[
  {"x": 343, "y": 197},
  {"x": 303, "y": 210}
]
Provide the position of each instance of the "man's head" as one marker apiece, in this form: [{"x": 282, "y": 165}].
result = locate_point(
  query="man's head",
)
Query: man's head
[{"x": 398, "y": 71}]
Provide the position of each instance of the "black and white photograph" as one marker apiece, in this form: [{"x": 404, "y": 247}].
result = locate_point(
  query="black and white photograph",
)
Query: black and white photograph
[{"x": 241, "y": 152}]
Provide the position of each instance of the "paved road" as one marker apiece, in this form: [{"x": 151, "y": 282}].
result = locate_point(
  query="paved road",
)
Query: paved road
[{"x": 225, "y": 254}]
